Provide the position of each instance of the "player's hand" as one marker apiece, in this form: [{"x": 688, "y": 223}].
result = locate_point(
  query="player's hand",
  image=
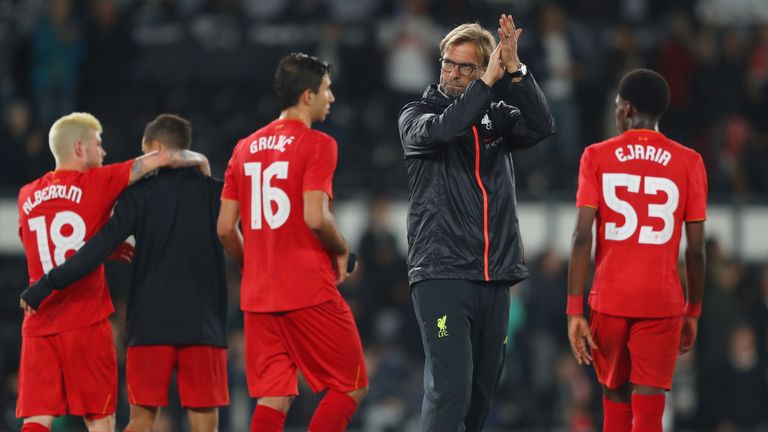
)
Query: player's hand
[
  {"x": 31, "y": 297},
  {"x": 579, "y": 335},
  {"x": 123, "y": 253},
  {"x": 340, "y": 266},
  {"x": 494, "y": 71},
  {"x": 508, "y": 36},
  {"x": 205, "y": 167},
  {"x": 27, "y": 308},
  {"x": 688, "y": 336}
]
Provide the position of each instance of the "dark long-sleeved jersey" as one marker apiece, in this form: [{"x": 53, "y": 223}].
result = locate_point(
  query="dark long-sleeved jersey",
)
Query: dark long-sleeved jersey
[
  {"x": 178, "y": 290},
  {"x": 462, "y": 217}
]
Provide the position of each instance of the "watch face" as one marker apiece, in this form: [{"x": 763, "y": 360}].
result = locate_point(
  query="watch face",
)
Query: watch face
[{"x": 520, "y": 72}]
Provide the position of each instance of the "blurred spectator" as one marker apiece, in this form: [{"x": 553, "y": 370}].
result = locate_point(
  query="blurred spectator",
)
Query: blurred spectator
[
  {"x": 558, "y": 64},
  {"x": 677, "y": 64},
  {"x": 57, "y": 52},
  {"x": 721, "y": 311},
  {"x": 738, "y": 389},
  {"x": 25, "y": 156},
  {"x": 759, "y": 311},
  {"x": 408, "y": 40},
  {"x": 546, "y": 318},
  {"x": 108, "y": 62}
]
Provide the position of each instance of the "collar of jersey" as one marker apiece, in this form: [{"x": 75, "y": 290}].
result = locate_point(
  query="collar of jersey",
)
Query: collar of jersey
[{"x": 643, "y": 131}]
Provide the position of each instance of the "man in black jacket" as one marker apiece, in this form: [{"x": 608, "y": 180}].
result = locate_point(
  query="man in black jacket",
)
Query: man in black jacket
[
  {"x": 464, "y": 246},
  {"x": 177, "y": 306}
]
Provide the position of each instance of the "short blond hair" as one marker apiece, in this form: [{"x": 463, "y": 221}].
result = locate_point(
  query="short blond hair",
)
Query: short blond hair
[
  {"x": 67, "y": 130},
  {"x": 470, "y": 32}
]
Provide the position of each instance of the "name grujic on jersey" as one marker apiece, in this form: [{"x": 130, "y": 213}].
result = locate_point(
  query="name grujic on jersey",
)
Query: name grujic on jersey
[
  {"x": 68, "y": 192},
  {"x": 272, "y": 142},
  {"x": 645, "y": 152}
]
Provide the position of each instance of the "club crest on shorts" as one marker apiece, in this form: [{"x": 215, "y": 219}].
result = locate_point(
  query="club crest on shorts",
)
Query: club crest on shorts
[{"x": 442, "y": 327}]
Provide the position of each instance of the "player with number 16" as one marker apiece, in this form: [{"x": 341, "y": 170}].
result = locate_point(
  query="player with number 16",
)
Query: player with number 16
[{"x": 279, "y": 183}]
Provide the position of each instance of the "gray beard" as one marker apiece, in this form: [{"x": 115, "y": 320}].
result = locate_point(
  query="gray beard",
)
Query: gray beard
[{"x": 447, "y": 94}]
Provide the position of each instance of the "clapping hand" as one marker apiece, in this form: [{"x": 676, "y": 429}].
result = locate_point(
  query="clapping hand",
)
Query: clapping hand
[
  {"x": 494, "y": 71},
  {"x": 508, "y": 36}
]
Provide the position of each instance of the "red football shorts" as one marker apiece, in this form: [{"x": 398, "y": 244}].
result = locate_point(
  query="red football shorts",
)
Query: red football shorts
[
  {"x": 201, "y": 375},
  {"x": 73, "y": 372},
  {"x": 320, "y": 341},
  {"x": 642, "y": 351}
]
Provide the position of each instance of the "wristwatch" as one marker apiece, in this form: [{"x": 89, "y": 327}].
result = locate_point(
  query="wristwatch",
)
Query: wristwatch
[{"x": 520, "y": 72}]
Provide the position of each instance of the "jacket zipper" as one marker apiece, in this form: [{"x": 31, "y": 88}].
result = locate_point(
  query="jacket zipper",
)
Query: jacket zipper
[{"x": 485, "y": 204}]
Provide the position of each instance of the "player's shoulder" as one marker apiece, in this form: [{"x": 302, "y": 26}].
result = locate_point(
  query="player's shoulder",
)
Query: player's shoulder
[
  {"x": 686, "y": 151},
  {"x": 34, "y": 184},
  {"x": 109, "y": 169},
  {"x": 318, "y": 136},
  {"x": 608, "y": 145}
]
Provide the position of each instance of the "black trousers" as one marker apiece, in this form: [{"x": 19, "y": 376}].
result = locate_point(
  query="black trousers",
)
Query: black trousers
[{"x": 464, "y": 329}]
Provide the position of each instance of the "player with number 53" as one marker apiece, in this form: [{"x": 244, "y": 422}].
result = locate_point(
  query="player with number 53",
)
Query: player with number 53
[{"x": 641, "y": 188}]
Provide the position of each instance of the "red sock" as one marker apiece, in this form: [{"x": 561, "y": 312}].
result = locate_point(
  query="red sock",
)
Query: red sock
[
  {"x": 647, "y": 411},
  {"x": 333, "y": 413},
  {"x": 617, "y": 416},
  {"x": 266, "y": 419},
  {"x": 34, "y": 427}
]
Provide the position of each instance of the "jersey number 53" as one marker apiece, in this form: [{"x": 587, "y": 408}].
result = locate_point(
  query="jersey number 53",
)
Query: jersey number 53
[{"x": 651, "y": 186}]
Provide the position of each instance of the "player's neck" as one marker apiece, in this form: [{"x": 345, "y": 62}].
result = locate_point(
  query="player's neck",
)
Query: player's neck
[
  {"x": 72, "y": 165},
  {"x": 294, "y": 113},
  {"x": 643, "y": 123}
]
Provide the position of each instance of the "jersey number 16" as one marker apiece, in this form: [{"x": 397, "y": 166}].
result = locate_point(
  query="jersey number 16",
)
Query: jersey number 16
[{"x": 263, "y": 194}]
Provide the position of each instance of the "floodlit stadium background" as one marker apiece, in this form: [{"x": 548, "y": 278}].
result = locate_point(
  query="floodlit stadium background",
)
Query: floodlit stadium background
[{"x": 212, "y": 61}]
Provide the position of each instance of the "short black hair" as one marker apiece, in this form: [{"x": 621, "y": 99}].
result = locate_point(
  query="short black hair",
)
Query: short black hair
[
  {"x": 296, "y": 73},
  {"x": 174, "y": 132},
  {"x": 646, "y": 90}
]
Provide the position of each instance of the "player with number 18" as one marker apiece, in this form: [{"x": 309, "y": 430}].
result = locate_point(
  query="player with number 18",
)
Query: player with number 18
[{"x": 57, "y": 213}]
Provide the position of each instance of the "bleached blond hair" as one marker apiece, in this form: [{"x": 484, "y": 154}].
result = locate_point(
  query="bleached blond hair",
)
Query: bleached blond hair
[
  {"x": 69, "y": 129},
  {"x": 471, "y": 32}
]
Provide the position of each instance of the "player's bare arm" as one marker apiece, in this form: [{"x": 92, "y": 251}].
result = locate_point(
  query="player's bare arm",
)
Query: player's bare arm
[
  {"x": 695, "y": 261},
  {"x": 172, "y": 158},
  {"x": 579, "y": 334},
  {"x": 319, "y": 219},
  {"x": 229, "y": 234}
]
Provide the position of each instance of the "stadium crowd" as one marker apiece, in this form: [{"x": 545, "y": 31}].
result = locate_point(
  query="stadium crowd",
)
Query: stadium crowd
[{"x": 212, "y": 61}]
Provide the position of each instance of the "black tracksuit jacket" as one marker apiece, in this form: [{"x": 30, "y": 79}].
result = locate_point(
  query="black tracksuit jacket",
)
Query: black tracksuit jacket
[
  {"x": 462, "y": 217},
  {"x": 178, "y": 290}
]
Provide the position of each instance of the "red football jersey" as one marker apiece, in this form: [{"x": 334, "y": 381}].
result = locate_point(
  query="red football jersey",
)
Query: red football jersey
[
  {"x": 285, "y": 266},
  {"x": 643, "y": 186},
  {"x": 58, "y": 213}
]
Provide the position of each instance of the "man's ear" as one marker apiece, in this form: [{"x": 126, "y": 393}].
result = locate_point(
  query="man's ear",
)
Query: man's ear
[
  {"x": 150, "y": 146},
  {"x": 79, "y": 149},
  {"x": 306, "y": 97},
  {"x": 631, "y": 110}
]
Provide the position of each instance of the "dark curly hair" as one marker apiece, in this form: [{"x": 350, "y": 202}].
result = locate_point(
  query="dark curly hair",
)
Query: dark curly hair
[{"x": 646, "y": 90}]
